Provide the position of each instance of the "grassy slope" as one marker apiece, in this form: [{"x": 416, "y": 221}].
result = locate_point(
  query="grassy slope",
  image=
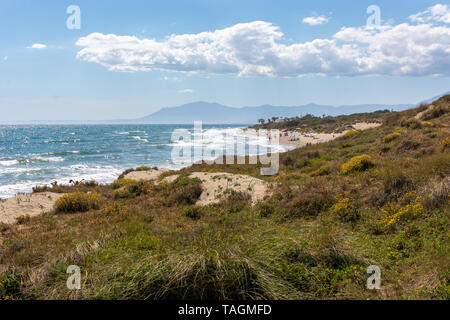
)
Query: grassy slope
[{"x": 313, "y": 239}]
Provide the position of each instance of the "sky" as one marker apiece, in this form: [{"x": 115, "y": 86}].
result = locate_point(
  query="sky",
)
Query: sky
[{"x": 127, "y": 59}]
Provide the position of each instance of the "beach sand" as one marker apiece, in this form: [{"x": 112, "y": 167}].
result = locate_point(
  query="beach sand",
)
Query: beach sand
[
  {"x": 214, "y": 184},
  {"x": 27, "y": 204},
  {"x": 152, "y": 174},
  {"x": 314, "y": 138}
]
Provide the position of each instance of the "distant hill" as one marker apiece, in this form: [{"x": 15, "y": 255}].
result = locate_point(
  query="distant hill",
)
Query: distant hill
[{"x": 214, "y": 113}]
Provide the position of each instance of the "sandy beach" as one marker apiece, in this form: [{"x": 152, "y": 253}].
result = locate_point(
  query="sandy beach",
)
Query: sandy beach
[
  {"x": 27, "y": 204},
  {"x": 299, "y": 139}
]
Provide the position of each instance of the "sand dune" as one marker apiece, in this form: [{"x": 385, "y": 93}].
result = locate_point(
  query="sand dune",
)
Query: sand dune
[{"x": 27, "y": 204}]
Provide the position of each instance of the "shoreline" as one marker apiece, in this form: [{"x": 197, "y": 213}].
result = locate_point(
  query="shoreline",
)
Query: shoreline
[{"x": 303, "y": 139}]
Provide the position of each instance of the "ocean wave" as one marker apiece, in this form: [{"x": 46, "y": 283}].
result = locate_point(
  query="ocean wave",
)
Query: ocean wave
[
  {"x": 139, "y": 139},
  {"x": 7, "y": 163}
]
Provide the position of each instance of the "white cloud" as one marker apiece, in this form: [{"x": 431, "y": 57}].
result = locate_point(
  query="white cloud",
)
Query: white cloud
[
  {"x": 5, "y": 58},
  {"x": 437, "y": 13},
  {"x": 315, "y": 21},
  {"x": 186, "y": 91},
  {"x": 37, "y": 46},
  {"x": 256, "y": 49}
]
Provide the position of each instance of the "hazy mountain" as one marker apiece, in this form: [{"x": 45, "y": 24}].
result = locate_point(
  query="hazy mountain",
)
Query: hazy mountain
[{"x": 215, "y": 113}]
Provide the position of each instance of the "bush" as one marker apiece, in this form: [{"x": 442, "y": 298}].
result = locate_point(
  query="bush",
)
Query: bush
[
  {"x": 412, "y": 123},
  {"x": 193, "y": 212},
  {"x": 77, "y": 202},
  {"x": 345, "y": 210},
  {"x": 184, "y": 180},
  {"x": 119, "y": 183},
  {"x": 309, "y": 205},
  {"x": 357, "y": 164},
  {"x": 407, "y": 207},
  {"x": 395, "y": 183},
  {"x": 114, "y": 209},
  {"x": 265, "y": 210},
  {"x": 143, "y": 168},
  {"x": 351, "y": 133},
  {"x": 445, "y": 143},
  {"x": 436, "y": 112},
  {"x": 123, "y": 174},
  {"x": 9, "y": 285},
  {"x": 132, "y": 189},
  {"x": 235, "y": 201},
  {"x": 322, "y": 171},
  {"x": 23, "y": 219},
  {"x": 187, "y": 194},
  {"x": 391, "y": 137}
]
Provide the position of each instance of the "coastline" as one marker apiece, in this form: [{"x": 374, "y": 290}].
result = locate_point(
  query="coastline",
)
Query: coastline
[{"x": 33, "y": 204}]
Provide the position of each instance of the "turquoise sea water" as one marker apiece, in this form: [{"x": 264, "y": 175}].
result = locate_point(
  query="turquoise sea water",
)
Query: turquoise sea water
[{"x": 39, "y": 154}]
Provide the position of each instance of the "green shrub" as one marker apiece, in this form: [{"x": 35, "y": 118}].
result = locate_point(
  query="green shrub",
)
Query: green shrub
[
  {"x": 357, "y": 164},
  {"x": 193, "y": 212},
  {"x": 9, "y": 285},
  {"x": 143, "y": 168},
  {"x": 77, "y": 202},
  {"x": 322, "y": 171},
  {"x": 132, "y": 189},
  {"x": 184, "y": 180},
  {"x": 123, "y": 174}
]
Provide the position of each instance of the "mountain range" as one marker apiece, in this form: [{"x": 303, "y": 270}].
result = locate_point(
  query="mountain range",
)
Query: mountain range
[{"x": 214, "y": 113}]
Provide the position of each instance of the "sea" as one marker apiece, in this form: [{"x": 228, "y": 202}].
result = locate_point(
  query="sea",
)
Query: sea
[{"x": 33, "y": 155}]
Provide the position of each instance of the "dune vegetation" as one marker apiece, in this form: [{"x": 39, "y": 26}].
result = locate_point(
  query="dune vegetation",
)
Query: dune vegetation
[{"x": 378, "y": 197}]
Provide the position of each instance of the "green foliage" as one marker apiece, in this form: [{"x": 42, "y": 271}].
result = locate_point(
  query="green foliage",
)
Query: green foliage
[
  {"x": 193, "y": 212},
  {"x": 9, "y": 285}
]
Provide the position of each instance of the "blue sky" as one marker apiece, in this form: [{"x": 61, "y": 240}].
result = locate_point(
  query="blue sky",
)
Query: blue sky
[{"x": 264, "y": 52}]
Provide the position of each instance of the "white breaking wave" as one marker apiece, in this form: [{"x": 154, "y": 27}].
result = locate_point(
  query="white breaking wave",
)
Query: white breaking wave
[{"x": 139, "y": 139}]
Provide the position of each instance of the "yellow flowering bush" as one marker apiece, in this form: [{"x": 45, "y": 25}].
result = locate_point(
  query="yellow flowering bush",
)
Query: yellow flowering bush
[
  {"x": 345, "y": 209},
  {"x": 410, "y": 205},
  {"x": 445, "y": 143},
  {"x": 390, "y": 137},
  {"x": 351, "y": 133},
  {"x": 114, "y": 209},
  {"x": 77, "y": 202},
  {"x": 357, "y": 164},
  {"x": 122, "y": 183}
]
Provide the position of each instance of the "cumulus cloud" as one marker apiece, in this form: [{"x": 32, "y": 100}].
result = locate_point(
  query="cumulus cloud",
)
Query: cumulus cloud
[
  {"x": 186, "y": 91},
  {"x": 37, "y": 46},
  {"x": 438, "y": 13},
  {"x": 256, "y": 49},
  {"x": 315, "y": 21}
]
